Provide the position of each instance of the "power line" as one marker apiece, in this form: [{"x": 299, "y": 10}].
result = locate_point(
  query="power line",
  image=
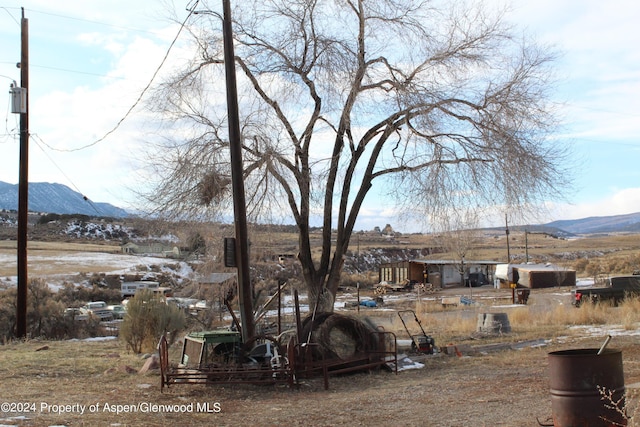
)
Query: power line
[
  {"x": 73, "y": 18},
  {"x": 77, "y": 72},
  {"x": 144, "y": 91},
  {"x": 9, "y": 13},
  {"x": 37, "y": 138}
]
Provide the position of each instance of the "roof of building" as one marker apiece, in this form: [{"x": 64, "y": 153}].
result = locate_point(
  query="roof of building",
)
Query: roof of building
[
  {"x": 452, "y": 261},
  {"x": 214, "y": 278}
]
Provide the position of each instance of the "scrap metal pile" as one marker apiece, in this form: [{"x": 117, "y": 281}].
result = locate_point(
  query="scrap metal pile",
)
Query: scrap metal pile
[{"x": 322, "y": 344}]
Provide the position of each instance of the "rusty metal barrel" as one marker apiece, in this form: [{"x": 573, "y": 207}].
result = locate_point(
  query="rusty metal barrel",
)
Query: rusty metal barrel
[{"x": 587, "y": 388}]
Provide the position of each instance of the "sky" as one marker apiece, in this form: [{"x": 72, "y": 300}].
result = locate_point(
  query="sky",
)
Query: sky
[{"x": 90, "y": 61}]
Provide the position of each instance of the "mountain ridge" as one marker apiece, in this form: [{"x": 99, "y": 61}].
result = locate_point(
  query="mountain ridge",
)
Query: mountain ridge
[
  {"x": 599, "y": 224},
  {"x": 57, "y": 198}
]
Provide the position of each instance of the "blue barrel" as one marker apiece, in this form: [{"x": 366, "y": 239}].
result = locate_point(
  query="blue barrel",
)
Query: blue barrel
[{"x": 581, "y": 381}]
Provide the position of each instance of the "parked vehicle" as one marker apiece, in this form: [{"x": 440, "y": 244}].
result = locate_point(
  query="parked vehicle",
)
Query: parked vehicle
[
  {"x": 129, "y": 289},
  {"x": 199, "y": 305},
  {"x": 476, "y": 279},
  {"x": 75, "y": 313},
  {"x": 617, "y": 289},
  {"x": 99, "y": 309},
  {"x": 118, "y": 311}
]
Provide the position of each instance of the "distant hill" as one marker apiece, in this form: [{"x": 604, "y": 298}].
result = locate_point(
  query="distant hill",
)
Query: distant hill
[
  {"x": 599, "y": 224},
  {"x": 56, "y": 198},
  {"x": 628, "y": 223}
]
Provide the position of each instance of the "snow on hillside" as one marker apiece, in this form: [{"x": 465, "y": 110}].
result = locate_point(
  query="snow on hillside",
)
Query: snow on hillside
[{"x": 104, "y": 231}]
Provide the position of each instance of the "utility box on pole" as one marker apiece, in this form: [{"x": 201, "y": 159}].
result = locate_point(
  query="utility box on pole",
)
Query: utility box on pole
[{"x": 18, "y": 99}]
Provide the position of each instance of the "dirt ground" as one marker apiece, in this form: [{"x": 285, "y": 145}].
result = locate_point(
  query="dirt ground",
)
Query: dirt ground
[{"x": 505, "y": 387}]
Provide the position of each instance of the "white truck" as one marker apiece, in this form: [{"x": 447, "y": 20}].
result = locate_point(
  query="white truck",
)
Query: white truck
[{"x": 100, "y": 310}]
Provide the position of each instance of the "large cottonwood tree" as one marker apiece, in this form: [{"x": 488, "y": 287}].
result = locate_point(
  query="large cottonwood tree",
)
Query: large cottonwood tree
[{"x": 440, "y": 102}]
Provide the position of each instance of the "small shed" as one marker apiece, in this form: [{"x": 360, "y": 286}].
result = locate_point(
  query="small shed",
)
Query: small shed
[
  {"x": 440, "y": 273},
  {"x": 534, "y": 276},
  {"x": 166, "y": 251}
]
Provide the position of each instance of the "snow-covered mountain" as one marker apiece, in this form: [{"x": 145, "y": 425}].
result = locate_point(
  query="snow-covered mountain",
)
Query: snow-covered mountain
[{"x": 56, "y": 198}]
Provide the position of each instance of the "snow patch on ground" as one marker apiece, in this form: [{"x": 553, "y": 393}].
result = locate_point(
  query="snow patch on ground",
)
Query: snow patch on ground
[{"x": 91, "y": 262}]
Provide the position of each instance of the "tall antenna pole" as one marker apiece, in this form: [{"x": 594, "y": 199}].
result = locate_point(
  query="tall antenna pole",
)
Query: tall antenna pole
[
  {"x": 237, "y": 181},
  {"x": 23, "y": 187}
]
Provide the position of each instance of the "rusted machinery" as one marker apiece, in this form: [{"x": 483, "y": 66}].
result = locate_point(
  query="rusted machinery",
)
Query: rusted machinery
[{"x": 324, "y": 344}]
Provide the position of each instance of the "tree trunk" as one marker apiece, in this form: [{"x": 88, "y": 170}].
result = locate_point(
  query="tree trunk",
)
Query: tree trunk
[{"x": 320, "y": 299}]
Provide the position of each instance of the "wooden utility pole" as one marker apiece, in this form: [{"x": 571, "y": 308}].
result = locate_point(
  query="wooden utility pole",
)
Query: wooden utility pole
[
  {"x": 237, "y": 181},
  {"x": 23, "y": 186}
]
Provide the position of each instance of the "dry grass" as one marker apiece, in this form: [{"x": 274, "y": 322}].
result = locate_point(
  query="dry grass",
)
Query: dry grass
[
  {"x": 528, "y": 322},
  {"x": 508, "y": 388}
]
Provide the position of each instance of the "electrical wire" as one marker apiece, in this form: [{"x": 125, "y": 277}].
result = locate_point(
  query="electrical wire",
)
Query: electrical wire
[
  {"x": 35, "y": 138},
  {"x": 9, "y": 13},
  {"x": 86, "y": 73},
  {"x": 40, "y": 142},
  {"x": 91, "y": 22},
  {"x": 144, "y": 91}
]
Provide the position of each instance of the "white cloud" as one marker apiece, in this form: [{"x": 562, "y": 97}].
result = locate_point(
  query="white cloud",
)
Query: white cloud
[{"x": 621, "y": 202}]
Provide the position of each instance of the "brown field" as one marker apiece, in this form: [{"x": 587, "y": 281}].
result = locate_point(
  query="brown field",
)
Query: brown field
[{"x": 42, "y": 257}]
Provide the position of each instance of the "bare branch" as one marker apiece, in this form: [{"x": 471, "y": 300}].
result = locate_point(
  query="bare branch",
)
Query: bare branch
[{"x": 438, "y": 102}]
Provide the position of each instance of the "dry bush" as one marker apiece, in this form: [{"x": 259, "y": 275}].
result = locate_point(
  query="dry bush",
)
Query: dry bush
[
  {"x": 72, "y": 295},
  {"x": 521, "y": 318},
  {"x": 588, "y": 314},
  {"x": 365, "y": 280},
  {"x": 526, "y": 322},
  {"x": 611, "y": 264},
  {"x": 45, "y": 315},
  {"x": 629, "y": 313},
  {"x": 148, "y": 318}
]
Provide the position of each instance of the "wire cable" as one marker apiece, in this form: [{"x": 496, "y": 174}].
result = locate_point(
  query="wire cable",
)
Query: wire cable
[
  {"x": 144, "y": 91},
  {"x": 36, "y": 138},
  {"x": 90, "y": 22},
  {"x": 12, "y": 17}
]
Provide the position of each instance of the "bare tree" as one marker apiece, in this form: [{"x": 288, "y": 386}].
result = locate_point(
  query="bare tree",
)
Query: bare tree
[
  {"x": 458, "y": 233},
  {"x": 439, "y": 102}
]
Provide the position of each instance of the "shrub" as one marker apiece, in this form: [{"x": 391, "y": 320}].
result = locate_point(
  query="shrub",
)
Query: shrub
[
  {"x": 45, "y": 315},
  {"x": 148, "y": 318},
  {"x": 73, "y": 295}
]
